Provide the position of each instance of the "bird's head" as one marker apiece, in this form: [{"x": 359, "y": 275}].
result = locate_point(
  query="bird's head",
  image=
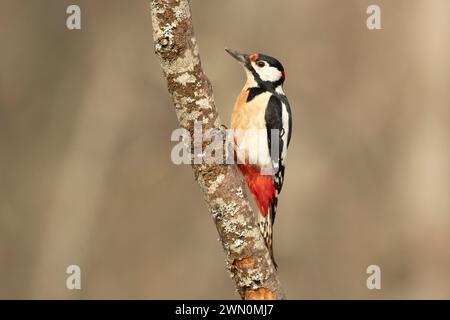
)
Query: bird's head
[{"x": 262, "y": 70}]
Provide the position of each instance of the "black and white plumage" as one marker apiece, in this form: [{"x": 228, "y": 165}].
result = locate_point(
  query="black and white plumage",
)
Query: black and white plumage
[{"x": 262, "y": 122}]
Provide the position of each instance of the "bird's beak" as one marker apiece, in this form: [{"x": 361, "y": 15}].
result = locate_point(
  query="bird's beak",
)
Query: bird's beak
[{"x": 241, "y": 57}]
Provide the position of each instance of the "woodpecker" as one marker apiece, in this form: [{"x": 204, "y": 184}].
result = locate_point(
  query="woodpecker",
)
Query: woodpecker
[{"x": 261, "y": 123}]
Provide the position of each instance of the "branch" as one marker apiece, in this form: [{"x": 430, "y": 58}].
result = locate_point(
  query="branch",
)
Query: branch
[{"x": 248, "y": 260}]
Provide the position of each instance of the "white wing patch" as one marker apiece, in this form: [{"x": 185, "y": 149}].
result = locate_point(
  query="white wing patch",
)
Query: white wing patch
[{"x": 285, "y": 119}]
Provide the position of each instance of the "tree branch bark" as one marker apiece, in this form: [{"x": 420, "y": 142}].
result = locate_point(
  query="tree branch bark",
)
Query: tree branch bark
[{"x": 248, "y": 260}]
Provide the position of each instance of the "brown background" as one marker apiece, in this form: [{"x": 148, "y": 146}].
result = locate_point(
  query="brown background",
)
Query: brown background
[{"x": 85, "y": 170}]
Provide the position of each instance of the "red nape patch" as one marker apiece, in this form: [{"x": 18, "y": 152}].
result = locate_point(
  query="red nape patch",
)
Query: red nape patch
[
  {"x": 261, "y": 186},
  {"x": 283, "y": 74}
]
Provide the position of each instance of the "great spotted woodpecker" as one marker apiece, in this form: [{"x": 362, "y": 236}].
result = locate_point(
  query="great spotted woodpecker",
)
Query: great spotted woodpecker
[{"x": 262, "y": 119}]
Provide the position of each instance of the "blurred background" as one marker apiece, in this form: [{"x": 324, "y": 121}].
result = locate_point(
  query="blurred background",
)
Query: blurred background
[{"x": 85, "y": 170}]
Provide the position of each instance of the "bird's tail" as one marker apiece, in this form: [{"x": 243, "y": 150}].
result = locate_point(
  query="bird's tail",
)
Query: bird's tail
[{"x": 265, "y": 226}]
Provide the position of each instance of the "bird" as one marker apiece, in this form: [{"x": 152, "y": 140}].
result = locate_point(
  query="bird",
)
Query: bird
[{"x": 261, "y": 124}]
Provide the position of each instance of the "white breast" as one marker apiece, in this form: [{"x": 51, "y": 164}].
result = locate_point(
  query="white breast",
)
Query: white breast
[{"x": 250, "y": 133}]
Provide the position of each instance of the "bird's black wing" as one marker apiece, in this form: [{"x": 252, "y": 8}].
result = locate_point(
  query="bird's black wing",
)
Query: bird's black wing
[
  {"x": 285, "y": 101},
  {"x": 276, "y": 134}
]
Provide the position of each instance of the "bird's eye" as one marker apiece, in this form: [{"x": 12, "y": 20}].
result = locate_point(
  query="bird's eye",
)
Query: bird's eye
[{"x": 260, "y": 63}]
